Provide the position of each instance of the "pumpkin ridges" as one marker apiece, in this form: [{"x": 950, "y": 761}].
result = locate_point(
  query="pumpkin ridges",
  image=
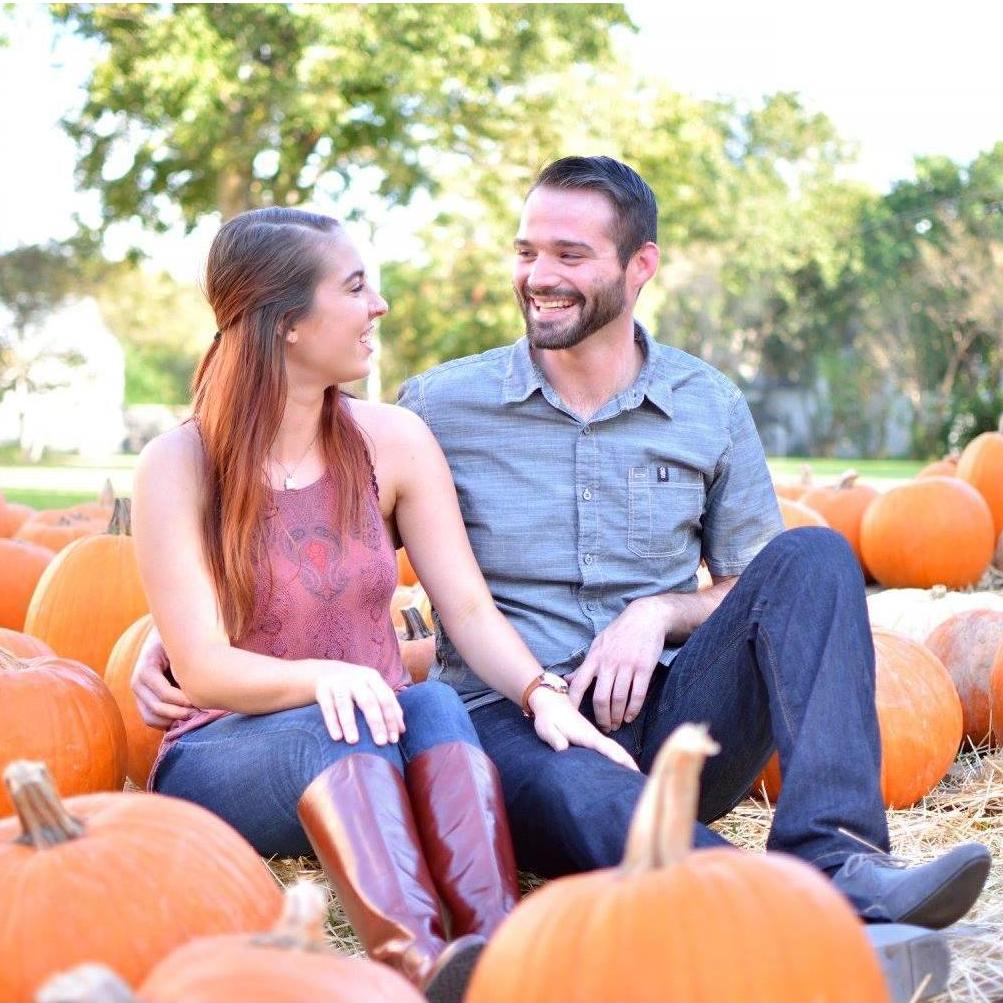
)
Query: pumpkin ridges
[
  {"x": 843, "y": 505},
  {"x": 981, "y": 465}
]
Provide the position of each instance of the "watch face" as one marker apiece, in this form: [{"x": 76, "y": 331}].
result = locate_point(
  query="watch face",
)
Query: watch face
[{"x": 553, "y": 681}]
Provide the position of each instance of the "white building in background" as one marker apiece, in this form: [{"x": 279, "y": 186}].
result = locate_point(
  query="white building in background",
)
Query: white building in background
[{"x": 82, "y": 413}]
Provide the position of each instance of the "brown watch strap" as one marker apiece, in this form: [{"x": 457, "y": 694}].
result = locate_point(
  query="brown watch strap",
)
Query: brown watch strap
[{"x": 534, "y": 684}]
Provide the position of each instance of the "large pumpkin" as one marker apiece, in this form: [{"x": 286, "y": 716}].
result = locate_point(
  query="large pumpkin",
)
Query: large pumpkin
[
  {"x": 143, "y": 742},
  {"x": 842, "y": 505},
  {"x": 89, "y": 595},
  {"x": 937, "y": 530},
  {"x": 674, "y": 925},
  {"x": 120, "y": 879},
  {"x": 917, "y": 612},
  {"x": 981, "y": 465},
  {"x": 919, "y": 718},
  {"x": 21, "y": 566},
  {"x": 59, "y": 711},
  {"x": 967, "y": 644}
]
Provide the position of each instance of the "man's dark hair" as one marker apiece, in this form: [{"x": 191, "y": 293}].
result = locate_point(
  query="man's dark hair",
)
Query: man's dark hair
[{"x": 635, "y": 209}]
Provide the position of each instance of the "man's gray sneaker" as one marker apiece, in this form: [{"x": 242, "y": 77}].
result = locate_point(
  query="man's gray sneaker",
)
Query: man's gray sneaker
[{"x": 886, "y": 889}]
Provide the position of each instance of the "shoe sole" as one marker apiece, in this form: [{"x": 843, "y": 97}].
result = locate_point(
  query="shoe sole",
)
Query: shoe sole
[
  {"x": 449, "y": 983},
  {"x": 916, "y": 962},
  {"x": 952, "y": 899}
]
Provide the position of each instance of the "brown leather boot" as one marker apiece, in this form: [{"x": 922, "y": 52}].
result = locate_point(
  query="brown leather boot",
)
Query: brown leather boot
[
  {"x": 358, "y": 819},
  {"x": 458, "y": 806}
]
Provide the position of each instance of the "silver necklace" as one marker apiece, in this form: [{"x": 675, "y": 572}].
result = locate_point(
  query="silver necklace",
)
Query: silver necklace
[{"x": 289, "y": 481}]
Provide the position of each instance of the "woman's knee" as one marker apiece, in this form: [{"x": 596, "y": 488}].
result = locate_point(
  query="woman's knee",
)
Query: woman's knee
[{"x": 434, "y": 713}]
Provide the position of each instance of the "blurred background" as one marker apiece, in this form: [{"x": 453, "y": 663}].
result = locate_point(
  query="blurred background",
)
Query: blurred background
[{"x": 830, "y": 184}]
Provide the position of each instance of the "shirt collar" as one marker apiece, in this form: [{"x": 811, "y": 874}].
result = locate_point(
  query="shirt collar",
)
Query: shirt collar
[{"x": 523, "y": 375}]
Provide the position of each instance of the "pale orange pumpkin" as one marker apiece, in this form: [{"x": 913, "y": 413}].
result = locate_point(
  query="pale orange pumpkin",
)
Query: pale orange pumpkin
[
  {"x": 143, "y": 742},
  {"x": 842, "y": 505},
  {"x": 58, "y": 528},
  {"x": 793, "y": 490},
  {"x": 13, "y": 515},
  {"x": 981, "y": 465},
  {"x": 59, "y": 711},
  {"x": 917, "y": 612},
  {"x": 967, "y": 644},
  {"x": 22, "y": 645},
  {"x": 937, "y": 530},
  {"x": 21, "y": 566},
  {"x": 946, "y": 467},
  {"x": 795, "y": 514},
  {"x": 919, "y": 719},
  {"x": 89, "y": 595},
  {"x": 674, "y": 925},
  {"x": 126, "y": 878}
]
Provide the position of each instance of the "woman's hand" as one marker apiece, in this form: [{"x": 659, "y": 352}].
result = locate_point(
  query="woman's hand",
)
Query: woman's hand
[
  {"x": 160, "y": 702},
  {"x": 343, "y": 688},
  {"x": 560, "y": 724}
]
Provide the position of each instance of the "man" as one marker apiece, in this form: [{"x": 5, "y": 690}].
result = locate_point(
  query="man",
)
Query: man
[{"x": 595, "y": 468}]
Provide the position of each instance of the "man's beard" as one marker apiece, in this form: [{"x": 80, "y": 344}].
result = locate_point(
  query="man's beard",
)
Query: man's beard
[{"x": 607, "y": 302}]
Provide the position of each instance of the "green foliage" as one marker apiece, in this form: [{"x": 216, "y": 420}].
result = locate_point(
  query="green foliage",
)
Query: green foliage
[{"x": 207, "y": 107}]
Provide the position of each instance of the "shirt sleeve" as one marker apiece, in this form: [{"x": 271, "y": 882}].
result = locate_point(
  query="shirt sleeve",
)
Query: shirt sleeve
[
  {"x": 741, "y": 514},
  {"x": 410, "y": 395}
]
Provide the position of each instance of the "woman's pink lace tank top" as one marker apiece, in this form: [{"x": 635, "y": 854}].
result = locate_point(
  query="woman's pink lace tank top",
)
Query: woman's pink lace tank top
[{"x": 320, "y": 593}]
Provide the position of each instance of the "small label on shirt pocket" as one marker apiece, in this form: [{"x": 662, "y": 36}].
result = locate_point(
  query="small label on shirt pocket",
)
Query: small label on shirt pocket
[{"x": 665, "y": 504}]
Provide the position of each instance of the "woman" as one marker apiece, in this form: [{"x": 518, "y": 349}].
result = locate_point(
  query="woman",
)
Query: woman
[{"x": 265, "y": 529}]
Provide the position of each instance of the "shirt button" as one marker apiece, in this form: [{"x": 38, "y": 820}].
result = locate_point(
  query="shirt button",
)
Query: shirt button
[
  {"x": 588, "y": 558},
  {"x": 587, "y": 430},
  {"x": 586, "y": 494},
  {"x": 590, "y": 606}
]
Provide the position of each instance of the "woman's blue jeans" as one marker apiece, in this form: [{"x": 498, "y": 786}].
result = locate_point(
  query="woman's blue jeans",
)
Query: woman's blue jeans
[
  {"x": 250, "y": 770},
  {"x": 786, "y": 660}
]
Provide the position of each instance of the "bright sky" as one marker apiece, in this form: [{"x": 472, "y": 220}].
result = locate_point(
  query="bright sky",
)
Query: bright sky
[{"x": 900, "y": 79}]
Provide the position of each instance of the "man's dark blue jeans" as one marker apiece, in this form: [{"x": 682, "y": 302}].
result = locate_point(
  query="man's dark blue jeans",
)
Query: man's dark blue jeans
[{"x": 785, "y": 661}]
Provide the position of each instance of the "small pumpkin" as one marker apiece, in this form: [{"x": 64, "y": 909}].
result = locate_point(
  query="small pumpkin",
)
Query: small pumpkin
[
  {"x": 981, "y": 465},
  {"x": 673, "y": 925},
  {"x": 917, "y": 612},
  {"x": 937, "y": 530},
  {"x": 126, "y": 878},
  {"x": 21, "y": 566},
  {"x": 90, "y": 594},
  {"x": 919, "y": 718},
  {"x": 59, "y": 711},
  {"x": 142, "y": 741},
  {"x": 967, "y": 644},
  {"x": 795, "y": 514},
  {"x": 843, "y": 505},
  {"x": 945, "y": 467},
  {"x": 58, "y": 528},
  {"x": 13, "y": 516},
  {"x": 21, "y": 645}
]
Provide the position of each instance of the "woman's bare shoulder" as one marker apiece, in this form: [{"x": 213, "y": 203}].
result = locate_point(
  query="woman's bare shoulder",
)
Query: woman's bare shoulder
[
  {"x": 384, "y": 422},
  {"x": 177, "y": 449}
]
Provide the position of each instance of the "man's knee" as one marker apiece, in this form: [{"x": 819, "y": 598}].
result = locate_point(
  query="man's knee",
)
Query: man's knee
[{"x": 817, "y": 550}]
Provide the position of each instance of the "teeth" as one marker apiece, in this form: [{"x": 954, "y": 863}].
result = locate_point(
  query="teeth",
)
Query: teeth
[{"x": 553, "y": 304}]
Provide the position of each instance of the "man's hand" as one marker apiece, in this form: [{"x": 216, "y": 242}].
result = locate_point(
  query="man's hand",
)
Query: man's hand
[
  {"x": 622, "y": 660},
  {"x": 160, "y": 702},
  {"x": 560, "y": 724}
]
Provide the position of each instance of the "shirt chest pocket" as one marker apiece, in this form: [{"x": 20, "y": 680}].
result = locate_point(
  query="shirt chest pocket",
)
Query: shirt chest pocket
[{"x": 664, "y": 509}]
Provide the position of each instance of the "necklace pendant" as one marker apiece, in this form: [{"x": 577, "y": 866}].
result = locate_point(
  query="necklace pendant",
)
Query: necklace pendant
[{"x": 289, "y": 482}]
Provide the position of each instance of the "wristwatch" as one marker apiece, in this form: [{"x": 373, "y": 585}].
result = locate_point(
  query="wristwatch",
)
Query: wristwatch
[{"x": 550, "y": 681}]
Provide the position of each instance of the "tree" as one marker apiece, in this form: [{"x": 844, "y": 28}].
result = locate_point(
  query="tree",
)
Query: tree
[{"x": 202, "y": 107}]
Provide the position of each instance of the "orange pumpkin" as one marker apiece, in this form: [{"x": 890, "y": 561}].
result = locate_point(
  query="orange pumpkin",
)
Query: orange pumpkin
[
  {"x": 967, "y": 644},
  {"x": 405, "y": 573},
  {"x": 996, "y": 695},
  {"x": 795, "y": 514},
  {"x": 919, "y": 718},
  {"x": 128, "y": 878},
  {"x": 842, "y": 505},
  {"x": 142, "y": 741},
  {"x": 58, "y": 528},
  {"x": 981, "y": 465},
  {"x": 59, "y": 711},
  {"x": 674, "y": 926},
  {"x": 12, "y": 516},
  {"x": 21, "y": 566},
  {"x": 946, "y": 467},
  {"x": 21, "y": 645},
  {"x": 89, "y": 595},
  {"x": 793, "y": 490},
  {"x": 937, "y": 530}
]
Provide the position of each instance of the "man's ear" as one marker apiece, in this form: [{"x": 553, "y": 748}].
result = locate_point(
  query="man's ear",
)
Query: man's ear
[{"x": 643, "y": 264}]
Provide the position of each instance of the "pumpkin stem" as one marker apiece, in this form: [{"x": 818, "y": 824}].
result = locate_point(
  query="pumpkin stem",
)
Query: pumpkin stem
[
  {"x": 301, "y": 923},
  {"x": 806, "y": 478},
  {"x": 661, "y": 832},
  {"x": 415, "y": 623},
  {"x": 847, "y": 480},
  {"x": 107, "y": 496},
  {"x": 9, "y": 661},
  {"x": 45, "y": 822},
  {"x": 121, "y": 518},
  {"x": 89, "y": 983}
]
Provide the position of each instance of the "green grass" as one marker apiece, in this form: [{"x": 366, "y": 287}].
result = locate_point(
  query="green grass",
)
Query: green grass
[
  {"x": 40, "y": 498},
  {"x": 790, "y": 466}
]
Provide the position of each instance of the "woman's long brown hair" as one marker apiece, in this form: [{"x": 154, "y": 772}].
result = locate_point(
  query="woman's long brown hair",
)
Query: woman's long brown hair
[{"x": 261, "y": 273}]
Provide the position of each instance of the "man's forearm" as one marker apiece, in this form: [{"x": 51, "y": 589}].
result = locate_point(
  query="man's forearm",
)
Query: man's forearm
[{"x": 683, "y": 612}]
